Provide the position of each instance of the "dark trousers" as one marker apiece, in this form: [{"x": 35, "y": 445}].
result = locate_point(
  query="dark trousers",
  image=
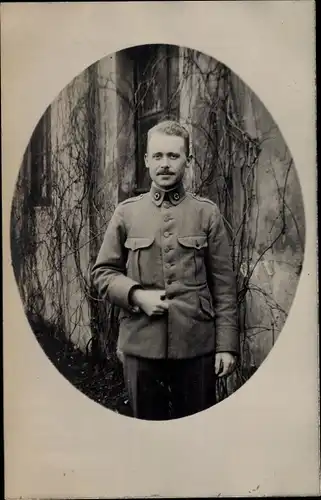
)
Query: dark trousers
[{"x": 168, "y": 389}]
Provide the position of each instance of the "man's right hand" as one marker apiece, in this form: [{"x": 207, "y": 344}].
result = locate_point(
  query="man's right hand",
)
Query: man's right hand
[{"x": 152, "y": 302}]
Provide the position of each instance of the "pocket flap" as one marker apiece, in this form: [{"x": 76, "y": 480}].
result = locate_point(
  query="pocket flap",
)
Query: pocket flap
[
  {"x": 136, "y": 243},
  {"x": 193, "y": 241},
  {"x": 206, "y": 306}
]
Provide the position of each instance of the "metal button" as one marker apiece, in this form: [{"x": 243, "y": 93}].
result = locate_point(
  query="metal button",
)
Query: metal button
[
  {"x": 168, "y": 265},
  {"x": 166, "y": 249},
  {"x": 166, "y": 218},
  {"x": 166, "y": 234},
  {"x": 157, "y": 196}
]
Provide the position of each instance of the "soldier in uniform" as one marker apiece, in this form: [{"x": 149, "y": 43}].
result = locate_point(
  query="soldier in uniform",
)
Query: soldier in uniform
[{"x": 165, "y": 261}]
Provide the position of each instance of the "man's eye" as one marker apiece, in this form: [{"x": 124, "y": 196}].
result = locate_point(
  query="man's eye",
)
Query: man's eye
[
  {"x": 174, "y": 156},
  {"x": 157, "y": 157}
]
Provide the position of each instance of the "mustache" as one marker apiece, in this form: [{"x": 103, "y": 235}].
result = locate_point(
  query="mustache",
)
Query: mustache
[{"x": 165, "y": 171}]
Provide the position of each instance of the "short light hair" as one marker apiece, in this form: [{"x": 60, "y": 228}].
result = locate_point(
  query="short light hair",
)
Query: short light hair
[{"x": 171, "y": 127}]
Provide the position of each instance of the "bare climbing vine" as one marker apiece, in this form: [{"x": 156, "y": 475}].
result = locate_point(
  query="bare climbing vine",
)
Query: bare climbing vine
[{"x": 54, "y": 247}]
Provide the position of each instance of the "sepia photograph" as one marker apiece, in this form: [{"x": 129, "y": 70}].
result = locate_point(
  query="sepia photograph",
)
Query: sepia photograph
[
  {"x": 157, "y": 232},
  {"x": 159, "y": 239}
]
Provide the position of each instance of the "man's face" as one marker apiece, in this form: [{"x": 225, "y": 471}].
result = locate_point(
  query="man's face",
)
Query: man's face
[{"x": 166, "y": 159}]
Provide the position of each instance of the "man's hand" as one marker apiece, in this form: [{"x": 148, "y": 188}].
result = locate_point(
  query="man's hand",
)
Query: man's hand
[
  {"x": 225, "y": 364},
  {"x": 152, "y": 302}
]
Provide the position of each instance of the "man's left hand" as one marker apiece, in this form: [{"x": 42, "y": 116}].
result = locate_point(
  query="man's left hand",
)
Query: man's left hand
[{"x": 225, "y": 364}]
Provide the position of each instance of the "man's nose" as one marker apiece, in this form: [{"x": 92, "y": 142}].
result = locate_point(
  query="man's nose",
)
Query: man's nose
[{"x": 165, "y": 162}]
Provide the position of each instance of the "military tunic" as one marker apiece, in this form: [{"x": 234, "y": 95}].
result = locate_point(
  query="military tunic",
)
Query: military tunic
[{"x": 174, "y": 241}]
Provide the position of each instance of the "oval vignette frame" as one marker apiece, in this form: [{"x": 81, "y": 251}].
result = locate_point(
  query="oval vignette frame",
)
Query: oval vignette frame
[{"x": 84, "y": 157}]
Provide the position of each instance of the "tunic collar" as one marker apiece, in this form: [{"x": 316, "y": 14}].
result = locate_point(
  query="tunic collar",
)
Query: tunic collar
[{"x": 175, "y": 196}]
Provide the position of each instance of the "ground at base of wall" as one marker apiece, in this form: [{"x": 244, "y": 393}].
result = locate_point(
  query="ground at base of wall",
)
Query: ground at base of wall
[{"x": 101, "y": 382}]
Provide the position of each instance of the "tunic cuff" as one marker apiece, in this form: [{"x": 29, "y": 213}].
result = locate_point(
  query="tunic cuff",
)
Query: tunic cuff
[
  {"x": 133, "y": 307},
  {"x": 228, "y": 341},
  {"x": 119, "y": 292}
]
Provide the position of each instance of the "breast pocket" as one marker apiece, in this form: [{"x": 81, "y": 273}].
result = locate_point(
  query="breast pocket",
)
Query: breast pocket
[
  {"x": 139, "y": 259},
  {"x": 192, "y": 258}
]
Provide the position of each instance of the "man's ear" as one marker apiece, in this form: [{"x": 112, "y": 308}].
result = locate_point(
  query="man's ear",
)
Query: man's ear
[
  {"x": 189, "y": 160},
  {"x": 146, "y": 160}
]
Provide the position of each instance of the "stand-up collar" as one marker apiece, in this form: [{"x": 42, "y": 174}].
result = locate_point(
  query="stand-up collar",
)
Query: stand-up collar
[{"x": 175, "y": 196}]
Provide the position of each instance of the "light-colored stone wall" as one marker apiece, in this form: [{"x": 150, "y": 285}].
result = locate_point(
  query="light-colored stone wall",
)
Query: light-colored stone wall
[
  {"x": 68, "y": 215},
  {"x": 88, "y": 183},
  {"x": 277, "y": 225}
]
